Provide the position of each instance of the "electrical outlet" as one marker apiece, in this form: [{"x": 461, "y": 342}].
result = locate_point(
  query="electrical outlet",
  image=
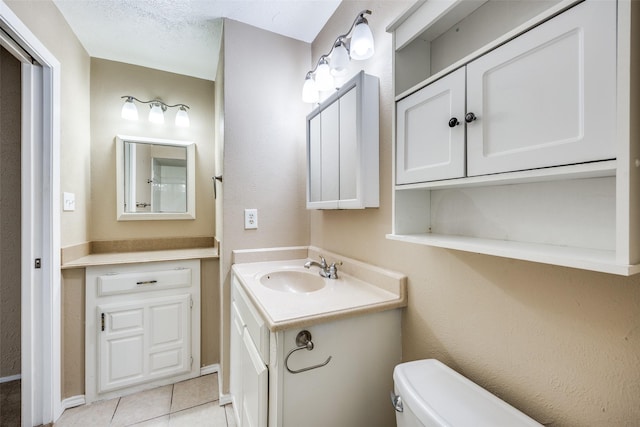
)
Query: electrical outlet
[{"x": 250, "y": 219}]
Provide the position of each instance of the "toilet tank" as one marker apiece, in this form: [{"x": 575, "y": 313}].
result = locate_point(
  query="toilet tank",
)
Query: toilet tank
[{"x": 434, "y": 395}]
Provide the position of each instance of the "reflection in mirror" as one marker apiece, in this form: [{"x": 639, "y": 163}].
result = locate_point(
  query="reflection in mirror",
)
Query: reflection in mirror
[{"x": 155, "y": 179}]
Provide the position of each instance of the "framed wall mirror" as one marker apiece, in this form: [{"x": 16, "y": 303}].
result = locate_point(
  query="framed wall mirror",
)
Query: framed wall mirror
[{"x": 155, "y": 179}]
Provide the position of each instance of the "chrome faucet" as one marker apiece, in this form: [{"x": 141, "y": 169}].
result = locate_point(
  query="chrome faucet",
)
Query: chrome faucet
[{"x": 328, "y": 271}]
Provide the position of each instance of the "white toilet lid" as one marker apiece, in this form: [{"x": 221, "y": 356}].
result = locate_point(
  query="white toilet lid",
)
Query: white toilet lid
[{"x": 437, "y": 394}]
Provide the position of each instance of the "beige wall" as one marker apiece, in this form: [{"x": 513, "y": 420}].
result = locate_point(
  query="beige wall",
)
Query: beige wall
[
  {"x": 45, "y": 21},
  {"x": 264, "y": 146},
  {"x": 560, "y": 344},
  {"x": 10, "y": 92},
  {"x": 109, "y": 81}
]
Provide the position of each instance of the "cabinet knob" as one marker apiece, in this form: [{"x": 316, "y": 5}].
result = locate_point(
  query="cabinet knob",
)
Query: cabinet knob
[
  {"x": 470, "y": 117},
  {"x": 453, "y": 122}
]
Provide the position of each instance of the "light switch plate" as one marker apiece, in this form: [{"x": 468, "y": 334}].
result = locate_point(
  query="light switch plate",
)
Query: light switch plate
[
  {"x": 250, "y": 219},
  {"x": 69, "y": 202}
]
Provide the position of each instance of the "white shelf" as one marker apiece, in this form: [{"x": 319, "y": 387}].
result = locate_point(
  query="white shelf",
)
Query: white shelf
[
  {"x": 585, "y": 259},
  {"x": 579, "y": 171}
]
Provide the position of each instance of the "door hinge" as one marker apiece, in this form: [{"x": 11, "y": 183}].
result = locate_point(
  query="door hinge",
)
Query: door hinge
[
  {"x": 38, "y": 263},
  {"x": 192, "y": 361},
  {"x": 102, "y": 321},
  {"x": 191, "y": 302}
]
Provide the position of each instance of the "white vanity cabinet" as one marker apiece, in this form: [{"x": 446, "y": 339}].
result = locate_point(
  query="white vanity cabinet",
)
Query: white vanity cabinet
[
  {"x": 343, "y": 381},
  {"x": 142, "y": 326},
  {"x": 545, "y": 98},
  {"x": 513, "y": 131},
  {"x": 342, "y": 148}
]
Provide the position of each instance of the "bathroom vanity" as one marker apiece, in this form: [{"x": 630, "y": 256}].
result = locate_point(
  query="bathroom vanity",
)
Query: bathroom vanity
[
  {"x": 313, "y": 351},
  {"x": 142, "y": 326}
]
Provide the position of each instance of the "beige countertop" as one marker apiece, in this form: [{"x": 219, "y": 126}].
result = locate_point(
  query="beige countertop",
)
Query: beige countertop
[
  {"x": 347, "y": 296},
  {"x": 145, "y": 256}
]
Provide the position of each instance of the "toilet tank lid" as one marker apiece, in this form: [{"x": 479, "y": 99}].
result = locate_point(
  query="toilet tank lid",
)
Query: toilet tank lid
[{"x": 439, "y": 394}]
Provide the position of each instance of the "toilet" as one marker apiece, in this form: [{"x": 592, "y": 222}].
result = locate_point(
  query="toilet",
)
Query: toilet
[{"x": 430, "y": 394}]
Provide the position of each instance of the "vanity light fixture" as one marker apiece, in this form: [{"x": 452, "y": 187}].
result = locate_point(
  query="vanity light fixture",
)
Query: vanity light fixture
[
  {"x": 156, "y": 112},
  {"x": 358, "y": 46}
]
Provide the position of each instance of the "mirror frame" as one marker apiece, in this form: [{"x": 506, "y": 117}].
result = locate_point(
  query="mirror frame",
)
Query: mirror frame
[{"x": 191, "y": 180}]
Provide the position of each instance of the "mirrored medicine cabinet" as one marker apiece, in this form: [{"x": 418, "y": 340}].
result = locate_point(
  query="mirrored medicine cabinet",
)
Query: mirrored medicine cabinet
[{"x": 155, "y": 179}]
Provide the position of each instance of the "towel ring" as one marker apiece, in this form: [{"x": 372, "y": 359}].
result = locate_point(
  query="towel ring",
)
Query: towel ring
[{"x": 303, "y": 342}]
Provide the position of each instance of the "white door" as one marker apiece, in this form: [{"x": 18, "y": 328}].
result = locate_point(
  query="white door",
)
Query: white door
[
  {"x": 546, "y": 98},
  {"x": 235, "y": 368},
  {"x": 349, "y": 150},
  {"x": 255, "y": 377},
  {"x": 324, "y": 158},
  {"x": 430, "y": 127},
  {"x": 142, "y": 341}
]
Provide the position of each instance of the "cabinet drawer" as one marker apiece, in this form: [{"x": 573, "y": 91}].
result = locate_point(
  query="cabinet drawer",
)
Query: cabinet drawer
[
  {"x": 258, "y": 330},
  {"x": 112, "y": 284}
]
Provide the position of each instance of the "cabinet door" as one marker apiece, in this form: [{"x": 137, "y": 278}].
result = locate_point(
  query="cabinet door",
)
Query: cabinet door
[
  {"x": 546, "y": 98},
  {"x": 235, "y": 362},
  {"x": 138, "y": 342},
  {"x": 255, "y": 377},
  {"x": 350, "y": 164},
  {"x": 428, "y": 148}
]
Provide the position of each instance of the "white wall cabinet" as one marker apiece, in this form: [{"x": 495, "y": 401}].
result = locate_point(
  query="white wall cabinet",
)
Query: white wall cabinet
[
  {"x": 548, "y": 169},
  {"x": 342, "y": 148},
  {"x": 546, "y": 98},
  {"x": 142, "y": 326},
  {"x": 350, "y": 390}
]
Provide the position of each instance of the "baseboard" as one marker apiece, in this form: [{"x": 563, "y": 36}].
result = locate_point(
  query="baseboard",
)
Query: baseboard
[
  {"x": 73, "y": 401},
  {"x": 225, "y": 399},
  {"x": 210, "y": 369},
  {"x": 10, "y": 378}
]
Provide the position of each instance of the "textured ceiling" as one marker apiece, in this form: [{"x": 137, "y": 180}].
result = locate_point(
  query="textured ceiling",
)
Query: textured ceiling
[{"x": 183, "y": 36}]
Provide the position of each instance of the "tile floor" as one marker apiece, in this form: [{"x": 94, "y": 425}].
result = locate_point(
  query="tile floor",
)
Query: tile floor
[{"x": 188, "y": 403}]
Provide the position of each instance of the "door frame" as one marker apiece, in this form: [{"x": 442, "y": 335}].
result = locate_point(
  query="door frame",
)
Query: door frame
[{"x": 41, "y": 291}]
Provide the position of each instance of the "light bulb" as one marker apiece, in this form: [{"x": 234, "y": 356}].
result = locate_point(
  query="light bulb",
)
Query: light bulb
[
  {"x": 310, "y": 91},
  {"x": 362, "y": 41},
  {"x": 324, "y": 79},
  {"x": 129, "y": 110},
  {"x": 156, "y": 115},
  {"x": 182, "y": 118},
  {"x": 339, "y": 59}
]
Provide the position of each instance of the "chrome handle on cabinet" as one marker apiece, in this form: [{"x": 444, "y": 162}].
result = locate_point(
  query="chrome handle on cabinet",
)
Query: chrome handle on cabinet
[
  {"x": 470, "y": 117},
  {"x": 453, "y": 122},
  {"x": 303, "y": 342}
]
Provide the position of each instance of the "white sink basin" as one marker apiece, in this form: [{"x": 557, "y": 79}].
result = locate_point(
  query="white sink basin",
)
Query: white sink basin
[{"x": 293, "y": 281}]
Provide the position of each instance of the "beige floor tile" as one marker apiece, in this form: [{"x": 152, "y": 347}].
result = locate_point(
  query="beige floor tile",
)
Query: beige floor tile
[
  {"x": 231, "y": 420},
  {"x": 156, "y": 422},
  {"x": 143, "y": 406},
  {"x": 207, "y": 415},
  {"x": 97, "y": 414},
  {"x": 194, "y": 392}
]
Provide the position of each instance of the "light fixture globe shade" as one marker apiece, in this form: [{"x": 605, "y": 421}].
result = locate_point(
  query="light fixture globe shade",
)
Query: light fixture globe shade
[
  {"x": 339, "y": 60},
  {"x": 310, "y": 91},
  {"x": 129, "y": 110},
  {"x": 182, "y": 118},
  {"x": 156, "y": 115},
  {"x": 324, "y": 79},
  {"x": 362, "y": 42}
]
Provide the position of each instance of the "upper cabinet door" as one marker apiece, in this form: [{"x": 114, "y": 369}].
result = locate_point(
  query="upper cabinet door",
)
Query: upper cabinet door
[
  {"x": 546, "y": 98},
  {"x": 430, "y": 132}
]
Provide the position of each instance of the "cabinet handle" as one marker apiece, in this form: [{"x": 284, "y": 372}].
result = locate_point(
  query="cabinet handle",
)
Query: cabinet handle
[
  {"x": 146, "y": 282},
  {"x": 453, "y": 122},
  {"x": 470, "y": 117}
]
